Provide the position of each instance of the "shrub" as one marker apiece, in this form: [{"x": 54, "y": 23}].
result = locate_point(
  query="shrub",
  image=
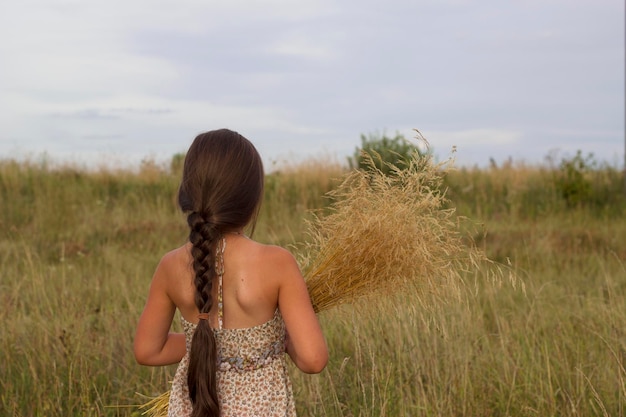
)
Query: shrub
[
  {"x": 385, "y": 152},
  {"x": 573, "y": 181}
]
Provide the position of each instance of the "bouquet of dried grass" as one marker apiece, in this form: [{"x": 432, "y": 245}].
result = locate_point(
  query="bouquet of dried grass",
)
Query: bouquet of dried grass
[{"x": 383, "y": 234}]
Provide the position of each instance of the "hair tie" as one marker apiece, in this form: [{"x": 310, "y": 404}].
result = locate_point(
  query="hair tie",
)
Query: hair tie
[{"x": 203, "y": 316}]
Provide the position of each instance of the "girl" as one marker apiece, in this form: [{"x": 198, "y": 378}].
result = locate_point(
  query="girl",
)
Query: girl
[{"x": 242, "y": 303}]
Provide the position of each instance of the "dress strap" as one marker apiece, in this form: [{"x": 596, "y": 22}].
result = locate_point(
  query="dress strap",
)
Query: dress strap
[{"x": 219, "y": 269}]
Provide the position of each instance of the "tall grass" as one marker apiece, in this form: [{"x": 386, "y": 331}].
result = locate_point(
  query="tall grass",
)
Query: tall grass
[
  {"x": 527, "y": 192},
  {"x": 77, "y": 250}
]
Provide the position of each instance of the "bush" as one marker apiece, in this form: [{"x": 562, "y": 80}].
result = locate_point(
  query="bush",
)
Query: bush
[
  {"x": 583, "y": 182},
  {"x": 573, "y": 181},
  {"x": 385, "y": 151}
]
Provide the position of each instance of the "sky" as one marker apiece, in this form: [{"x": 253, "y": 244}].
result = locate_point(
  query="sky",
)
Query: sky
[{"x": 117, "y": 82}]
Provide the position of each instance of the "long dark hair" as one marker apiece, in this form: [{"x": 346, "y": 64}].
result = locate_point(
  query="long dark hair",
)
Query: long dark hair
[{"x": 220, "y": 191}]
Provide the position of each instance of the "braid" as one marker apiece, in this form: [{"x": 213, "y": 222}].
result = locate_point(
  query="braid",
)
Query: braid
[
  {"x": 203, "y": 236},
  {"x": 201, "y": 377}
]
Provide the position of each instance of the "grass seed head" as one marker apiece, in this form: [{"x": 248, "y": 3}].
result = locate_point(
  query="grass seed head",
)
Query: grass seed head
[{"x": 388, "y": 233}]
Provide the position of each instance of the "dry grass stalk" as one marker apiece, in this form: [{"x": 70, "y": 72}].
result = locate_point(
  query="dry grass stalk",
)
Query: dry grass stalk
[
  {"x": 384, "y": 234},
  {"x": 157, "y": 406}
]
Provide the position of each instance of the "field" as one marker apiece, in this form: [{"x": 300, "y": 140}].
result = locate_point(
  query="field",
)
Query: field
[{"x": 78, "y": 248}]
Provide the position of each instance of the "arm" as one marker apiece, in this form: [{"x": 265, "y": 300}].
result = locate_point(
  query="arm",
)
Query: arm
[
  {"x": 154, "y": 344},
  {"x": 305, "y": 342}
]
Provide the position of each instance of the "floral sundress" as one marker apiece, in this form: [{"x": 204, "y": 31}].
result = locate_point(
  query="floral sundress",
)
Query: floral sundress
[{"x": 252, "y": 376}]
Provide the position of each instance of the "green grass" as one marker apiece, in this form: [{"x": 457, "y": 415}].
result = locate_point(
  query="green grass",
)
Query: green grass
[{"x": 77, "y": 251}]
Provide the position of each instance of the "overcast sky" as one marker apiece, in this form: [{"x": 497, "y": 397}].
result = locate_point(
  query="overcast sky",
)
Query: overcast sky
[{"x": 111, "y": 80}]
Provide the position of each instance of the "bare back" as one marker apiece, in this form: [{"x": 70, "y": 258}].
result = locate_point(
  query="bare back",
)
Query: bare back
[{"x": 251, "y": 283}]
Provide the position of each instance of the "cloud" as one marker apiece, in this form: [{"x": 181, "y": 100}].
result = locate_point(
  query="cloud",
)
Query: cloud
[
  {"x": 296, "y": 76},
  {"x": 473, "y": 137},
  {"x": 301, "y": 47},
  {"x": 85, "y": 114}
]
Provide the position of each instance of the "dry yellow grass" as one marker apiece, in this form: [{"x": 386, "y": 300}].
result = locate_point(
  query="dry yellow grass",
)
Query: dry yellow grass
[
  {"x": 77, "y": 249},
  {"x": 157, "y": 406},
  {"x": 388, "y": 233}
]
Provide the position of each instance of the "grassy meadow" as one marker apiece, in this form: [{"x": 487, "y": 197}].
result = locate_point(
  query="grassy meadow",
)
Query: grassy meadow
[{"x": 78, "y": 248}]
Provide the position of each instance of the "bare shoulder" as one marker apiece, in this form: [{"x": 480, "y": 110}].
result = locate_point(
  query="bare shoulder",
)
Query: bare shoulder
[
  {"x": 277, "y": 254},
  {"x": 274, "y": 265},
  {"x": 278, "y": 258},
  {"x": 174, "y": 261}
]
